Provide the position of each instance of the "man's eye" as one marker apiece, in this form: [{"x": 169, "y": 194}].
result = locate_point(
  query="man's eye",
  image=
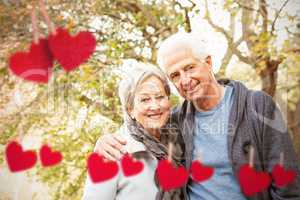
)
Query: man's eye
[
  {"x": 190, "y": 67},
  {"x": 174, "y": 76},
  {"x": 160, "y": 97}
]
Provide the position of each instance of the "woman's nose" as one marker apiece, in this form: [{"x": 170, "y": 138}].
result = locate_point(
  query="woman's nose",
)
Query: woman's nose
[{"x": 154, "y": 105}]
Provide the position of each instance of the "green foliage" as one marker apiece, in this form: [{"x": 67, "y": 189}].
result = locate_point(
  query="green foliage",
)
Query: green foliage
[
  {"x": 175, "y": 100},
  {"x": 76, "y": 108},
  {"x": 231, "y": 6}
]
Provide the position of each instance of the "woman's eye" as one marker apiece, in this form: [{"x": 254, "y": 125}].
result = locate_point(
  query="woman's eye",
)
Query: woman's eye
[{"x": 145, "y": 100}]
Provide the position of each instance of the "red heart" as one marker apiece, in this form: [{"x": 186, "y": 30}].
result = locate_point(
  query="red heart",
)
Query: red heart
[
  {"x": 17, "y": 159},
  {"x": 100, "y": 170},
  {"x": 281, "y": 176},
  {"x": 71, "y": 51},
  {"x": 200, "y": 172},
  {"x": 253, "y": 182},
  {"x": 34, "y": 65},
  {"x": 48, "y": 157},
  {"x": 170, "y": 177},
  {"x": 131, "y": 167}
]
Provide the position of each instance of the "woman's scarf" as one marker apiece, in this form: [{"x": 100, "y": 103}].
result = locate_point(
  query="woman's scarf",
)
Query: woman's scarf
[{"x": 159, "y": 149}]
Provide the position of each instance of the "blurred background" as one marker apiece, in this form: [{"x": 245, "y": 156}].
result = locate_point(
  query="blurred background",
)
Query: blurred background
[{"x": 254, "y": 41}]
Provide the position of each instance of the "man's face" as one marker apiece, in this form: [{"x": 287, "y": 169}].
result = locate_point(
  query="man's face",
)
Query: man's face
[{"x": 191, "y": 76}]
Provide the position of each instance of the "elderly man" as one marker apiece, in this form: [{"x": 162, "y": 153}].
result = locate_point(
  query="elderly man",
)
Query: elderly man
[{"x": 219, "y": 122}]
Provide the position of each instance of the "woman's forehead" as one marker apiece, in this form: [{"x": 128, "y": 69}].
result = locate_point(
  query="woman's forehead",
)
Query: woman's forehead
[{"x": 151, "y": 85}]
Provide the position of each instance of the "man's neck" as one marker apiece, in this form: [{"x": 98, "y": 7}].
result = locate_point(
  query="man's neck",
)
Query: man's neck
[{"x": 212, "y": 99}]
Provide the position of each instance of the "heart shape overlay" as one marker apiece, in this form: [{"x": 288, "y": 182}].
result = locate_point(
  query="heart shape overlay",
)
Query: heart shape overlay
[
  {"x": 17, "y": 159},
  {"x": 71, "y": 51},
  {"x": 200, "y": 172},
  {"x": 281, "y": 176},
  {"x": 34, "y": 65},
  {"x": 253, "y": 182},
  {"x": 100, "y": 170},
  {"x": 131, "y": 167},
  {"x": 170, "y": 177},
  {"x": 49, "y": 157}
]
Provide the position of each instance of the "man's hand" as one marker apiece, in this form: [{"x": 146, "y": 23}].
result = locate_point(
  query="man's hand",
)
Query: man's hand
[{"x": 111, "y": 146}]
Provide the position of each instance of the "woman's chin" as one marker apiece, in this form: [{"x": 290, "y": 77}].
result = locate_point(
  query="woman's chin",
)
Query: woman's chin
[{"x": 153, "y": 125}]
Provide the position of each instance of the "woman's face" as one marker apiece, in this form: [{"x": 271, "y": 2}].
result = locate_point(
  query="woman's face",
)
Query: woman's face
[{"x": 151, "y": 106}]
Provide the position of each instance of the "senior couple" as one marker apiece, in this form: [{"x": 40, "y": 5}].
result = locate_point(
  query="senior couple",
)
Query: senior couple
[{"x": 218, "y": 122}]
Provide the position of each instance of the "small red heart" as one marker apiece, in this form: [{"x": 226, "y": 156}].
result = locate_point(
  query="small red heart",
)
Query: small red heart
[
  {"x": 48, "y": 157},
  {"x": 34, "y": 65},
  {"x": 253, "y": 182},
  {"x": 131, "y": 167},
  {"x": 200, "y": 172},
  {"x": 71, "y": 51},
  {"x": 17, "y": 159},
  {"x": 282, "y": 177},
  {"x": 100, "y": 170},
  {"x": 170, "y": 177}
]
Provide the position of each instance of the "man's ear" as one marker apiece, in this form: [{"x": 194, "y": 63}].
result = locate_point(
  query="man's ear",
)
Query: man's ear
[{"x": 208, "y": 60}]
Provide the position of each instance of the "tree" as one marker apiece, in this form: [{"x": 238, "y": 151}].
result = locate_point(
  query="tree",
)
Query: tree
[
  {"x": 258, "y": 21},
  {"x": 75, "y": 108},
  {"x": 256, "y": 45}
]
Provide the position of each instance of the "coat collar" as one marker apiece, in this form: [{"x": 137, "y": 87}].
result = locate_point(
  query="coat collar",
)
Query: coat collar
[{"x": 132, "y": 146}]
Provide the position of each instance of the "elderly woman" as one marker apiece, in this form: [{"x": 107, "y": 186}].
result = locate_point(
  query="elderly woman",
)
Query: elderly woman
[{"x": 144, "y": 95}]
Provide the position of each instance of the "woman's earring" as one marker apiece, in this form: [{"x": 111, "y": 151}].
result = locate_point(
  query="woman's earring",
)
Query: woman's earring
[{"x": 132, "y": 117}]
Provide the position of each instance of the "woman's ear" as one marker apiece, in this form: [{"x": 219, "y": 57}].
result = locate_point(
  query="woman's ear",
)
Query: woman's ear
[
  {"x": 130, "y": 113},
  {"x": 208, "y": 61}
]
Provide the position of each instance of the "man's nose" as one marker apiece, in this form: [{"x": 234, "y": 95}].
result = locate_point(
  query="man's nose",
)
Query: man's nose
[{"x": 185, "y": 81}]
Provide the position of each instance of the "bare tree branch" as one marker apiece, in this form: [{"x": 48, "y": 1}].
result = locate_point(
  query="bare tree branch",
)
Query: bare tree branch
[
  {"x": 294, "y": 50},
  {"x": 193, "y": 3},
  {"x": 245, "y": 59},
  {"x": 247, "y": 20},
  {"x": 264, "y": 14},
  {"x": 277, "y": 15},
  {"x": 225, "y": 61},
  {"x": 118, "y": 17},
  {"x": 246, "y": 7},
  {"x": 186, "y": 10},
  {"x": 232, "y": 46},
  {"x": 161, "y": 30},
  {"x": 216, "y": 27},
  {"x": 232, "y": 24},
  {"x": 238, "y": 42},
  {"x": 256, "y": 20}
]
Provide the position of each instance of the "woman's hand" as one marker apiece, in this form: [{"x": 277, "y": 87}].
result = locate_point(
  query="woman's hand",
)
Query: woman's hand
[{"x": 111, "y": 146}]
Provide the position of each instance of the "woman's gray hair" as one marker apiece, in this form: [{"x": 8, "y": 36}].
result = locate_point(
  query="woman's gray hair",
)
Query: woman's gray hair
[{"x": 133, "y": 76}]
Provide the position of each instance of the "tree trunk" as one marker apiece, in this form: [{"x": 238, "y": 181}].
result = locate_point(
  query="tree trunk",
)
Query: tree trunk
[
  {"x": 269, "y": 76},
  {"x": 294, "y": 127}
]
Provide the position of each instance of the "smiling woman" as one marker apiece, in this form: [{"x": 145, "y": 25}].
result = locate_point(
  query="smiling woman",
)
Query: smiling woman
[
  {"x": 151, "y": 105},
  {"x": 144, "y": 93}
]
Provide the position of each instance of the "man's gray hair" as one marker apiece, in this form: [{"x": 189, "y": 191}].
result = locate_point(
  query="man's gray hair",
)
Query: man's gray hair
[
  {"x": 191, "y": 42},
  {"x": 133, "y": 76}
]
